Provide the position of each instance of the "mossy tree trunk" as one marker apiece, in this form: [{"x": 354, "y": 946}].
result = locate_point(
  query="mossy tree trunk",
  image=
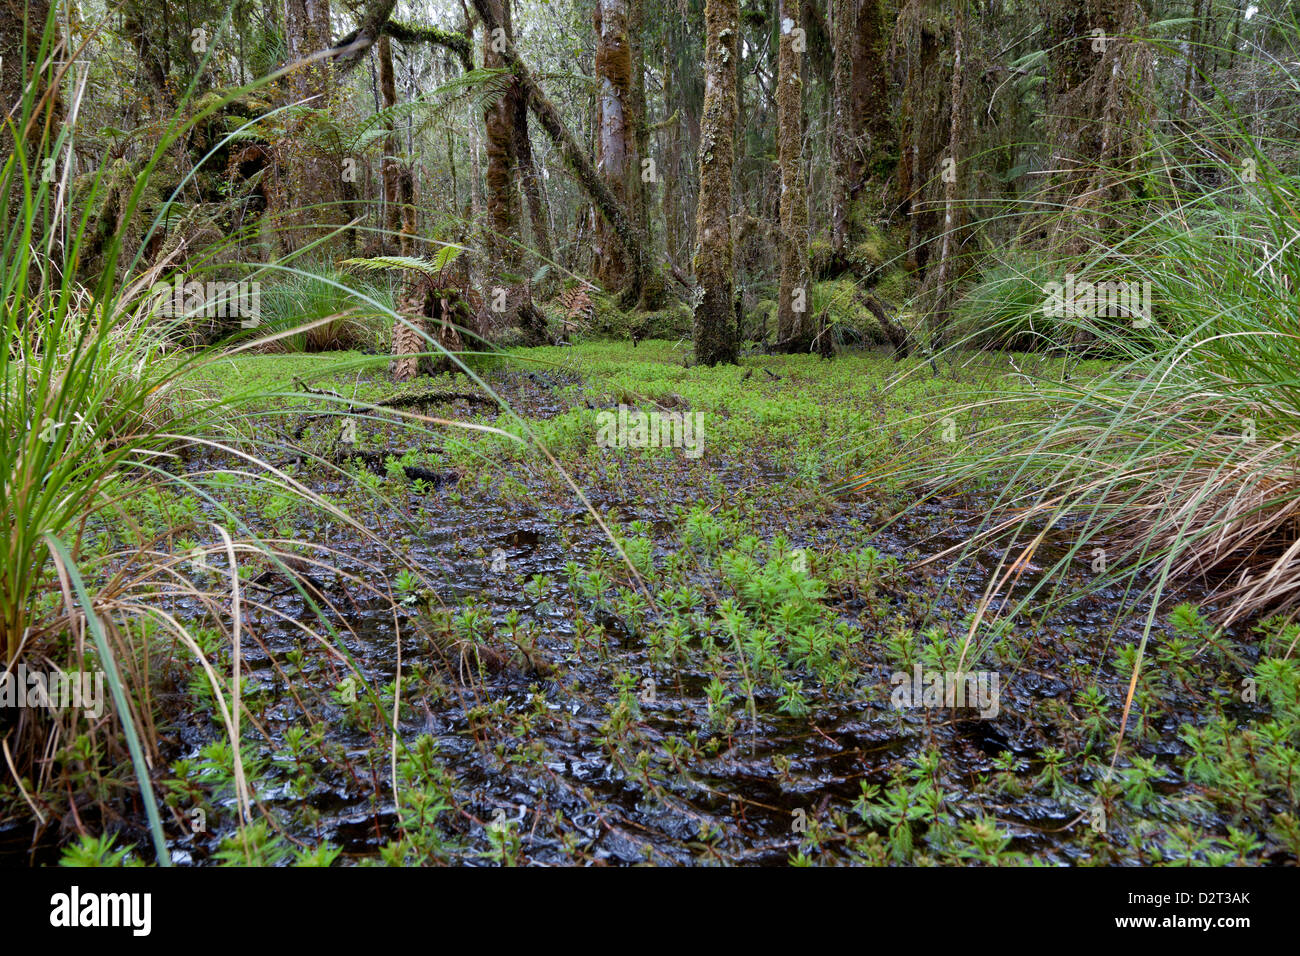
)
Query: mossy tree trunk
[
  {"x": 503, "y": 210},
  {"x": 1097, "y": 86},
  {"x": 794, "y": 317},
  {"x": 640, "y": 129},
  {"x": 307, "y": 32},
  {"x": 475, "y": 161},
  {"x": 399, "y": 183},
  {"x": 715, "y": 311},
  {"x": 146, "y": 32},
  {"x": 310, "y": 193},
  {"x": 616, "y": 155},
  {"x": 578, "y": 161},
  {"x": 674, "y": 217},
  {"x": 510, "y": 302},
  {"x": 944, "y": 276},
  {"x": 531, "y": 183},
  {"x": 864, "y": 141},
  {"x": 924, "y": 133},
  {"x": 22, "y": 24}
]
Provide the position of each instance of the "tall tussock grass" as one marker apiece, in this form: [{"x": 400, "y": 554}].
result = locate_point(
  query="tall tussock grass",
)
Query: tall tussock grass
[
  {"x": 1177, "y": 464},
  {"x": 317, "y": 292},
  {"x": 101, "y": 420},
  {"x": 131, "y": 488}
]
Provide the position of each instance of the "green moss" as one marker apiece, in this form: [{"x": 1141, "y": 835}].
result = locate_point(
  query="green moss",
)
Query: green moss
[
  {"x": 873, "y": 249},
  {"x": 410, "y": 33},
  {"x": 820, "y": 256},
  {"x": 609, "y": 321},
  {"x": 893, "y": 286},
  {"x": 672, "y": 322},
  {"x": 871, "y": 252},
  {"x": 840, "y": 300},
  {"x": 654, "y": 292},
  {"x": 116, "y": 181}
]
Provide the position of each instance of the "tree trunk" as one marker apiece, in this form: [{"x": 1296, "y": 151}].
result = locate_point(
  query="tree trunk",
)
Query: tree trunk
[
  {"x": 1095, "y": 94},
  {"x": 715, "y": 316},
  {"x": 943, "y": 278},
  {"x": 671, "y": 163},
  {"x": 640, "y": 210},
  {"x": 146, "y": 35},
  {"x": 399, "y": 184},
  {"x": 615, "y": 142},
  {"x": 794, "y": 325},
  {"x": 511, "y": 303},
  {"x": 531, "y": 183},
  {"x": 924, "y": 134},
  {"x": 307, "y": 31},
  {"x": 311, "y": 190},
  {"x": 503, "y": 212},
  {"x": 864, "y": 142},
  {"x": 475, "y": 165},
  {"x": 22, "y": 24},
  {"x": 615, "y": 213}
]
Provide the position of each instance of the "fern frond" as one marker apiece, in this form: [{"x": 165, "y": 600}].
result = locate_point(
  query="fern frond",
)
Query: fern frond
[
  {"x": 395, "y": 115},
  {"x": 446, "y": 255},
  {"x": 549, "y": 79},
  {"x": 481, "y": 88},
  {"x": 363, "y": 142},
  {"x": 430, "y": 267},
  {"x": 484, "y": 84}
]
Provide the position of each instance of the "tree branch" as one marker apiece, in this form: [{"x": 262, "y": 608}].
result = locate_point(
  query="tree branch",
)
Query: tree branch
[
  {"x": 457, "y": 43},
  {"x": 377, "y": 19},
  {"x": 349, "y": 51}
]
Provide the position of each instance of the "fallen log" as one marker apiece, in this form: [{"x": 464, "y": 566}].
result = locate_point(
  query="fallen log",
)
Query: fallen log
[
  {"x": 395, "y": 401},
  {"x": 896, "y": 334},
  {"x": 428, "y": 398},
  {"x": 377, "y": 462}
]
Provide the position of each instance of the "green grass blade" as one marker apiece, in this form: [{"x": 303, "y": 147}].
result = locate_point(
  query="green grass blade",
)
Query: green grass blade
[{"x": 119, "y": 699}]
